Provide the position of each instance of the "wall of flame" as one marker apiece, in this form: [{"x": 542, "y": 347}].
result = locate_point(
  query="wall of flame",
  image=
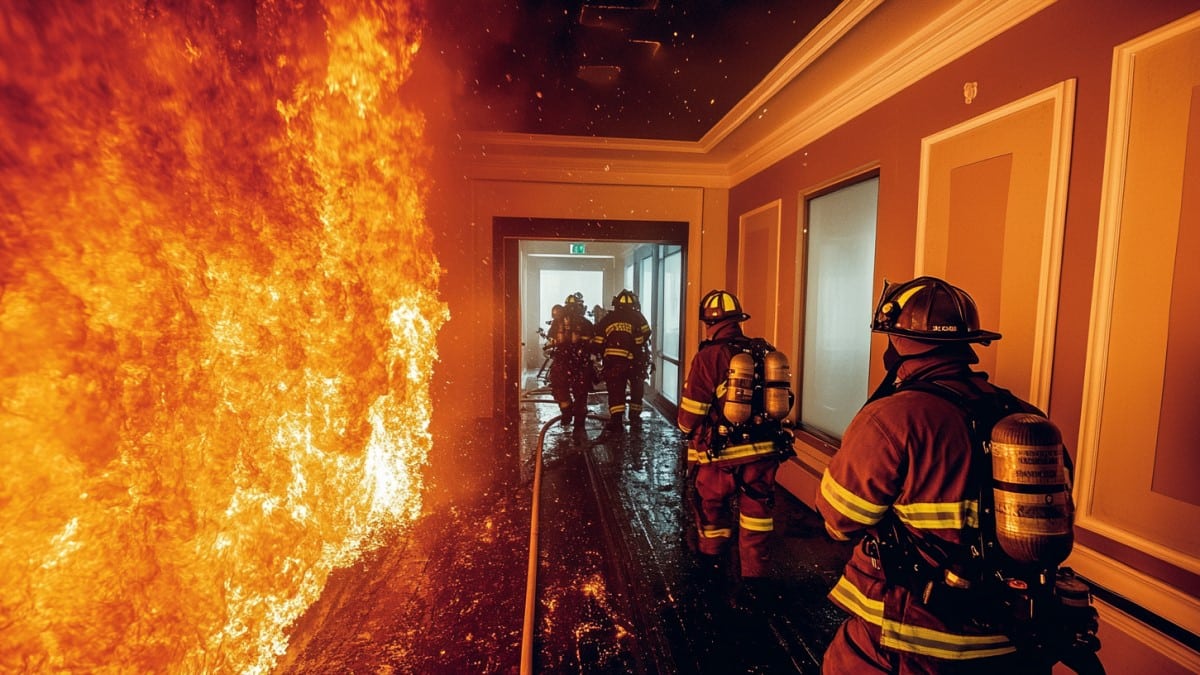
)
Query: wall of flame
[{"x": 218, "y": 315}]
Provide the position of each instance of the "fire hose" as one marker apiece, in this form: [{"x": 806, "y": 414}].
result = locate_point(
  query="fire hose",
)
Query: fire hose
[
  {"x": 531, "y": 576},
  {"x": 534, "y": 526}
]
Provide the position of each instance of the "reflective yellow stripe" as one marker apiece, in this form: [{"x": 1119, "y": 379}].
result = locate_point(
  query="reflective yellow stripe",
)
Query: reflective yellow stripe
[
  {"x": 940, "y": 515},
  {"x": 849, "y": 504},
  {"x": 616, "y": 409},
  {"x": 915, "y": 639},
  {"x": 716, "y": 532},
  {"x": 756, "y": 524},
  {"x": 734, "y": 452},
  {"x": 847, "y": 595},
  {"x": 747, "y": 450},
  {"x": 941, "y": 644},
  {"x": 617, "y": 351},
  {"x": 839, "y": 536},
  {"x": 694, "y": 407}
]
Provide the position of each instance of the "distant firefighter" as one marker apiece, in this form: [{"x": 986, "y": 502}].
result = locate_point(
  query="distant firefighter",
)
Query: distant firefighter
[
  {"x": 571, "y": 372},
  {"x": 622, "y": 338}
]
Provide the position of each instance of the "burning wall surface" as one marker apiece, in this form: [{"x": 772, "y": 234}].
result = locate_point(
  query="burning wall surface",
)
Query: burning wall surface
[{"x": 217, "y": 319}]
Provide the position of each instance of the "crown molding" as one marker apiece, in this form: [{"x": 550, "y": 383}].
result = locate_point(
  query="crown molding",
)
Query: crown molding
[
  {"x": 956, "y": 32},
  {"x": 835, "y": 26},
  {"x": 716, "y": 160}
]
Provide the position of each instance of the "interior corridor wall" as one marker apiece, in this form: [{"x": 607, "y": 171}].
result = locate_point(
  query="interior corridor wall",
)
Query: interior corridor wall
[{"x": 1071, "y": 39}]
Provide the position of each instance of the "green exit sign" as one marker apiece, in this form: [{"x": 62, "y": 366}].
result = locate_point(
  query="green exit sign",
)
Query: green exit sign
[{"x": 578, "y": 248}]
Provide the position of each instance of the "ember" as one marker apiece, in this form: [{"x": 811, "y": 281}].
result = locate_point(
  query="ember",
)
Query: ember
[{"x": 218, "y": 315}]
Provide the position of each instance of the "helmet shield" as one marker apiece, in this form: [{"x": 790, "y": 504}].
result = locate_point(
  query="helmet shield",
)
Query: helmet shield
[
  {"x": 626, "y": 298},
  {"x": 930, "y": 310},
  {"x": 718, "y": 306}
]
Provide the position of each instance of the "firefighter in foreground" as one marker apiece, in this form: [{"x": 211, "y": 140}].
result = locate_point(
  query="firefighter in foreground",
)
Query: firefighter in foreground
[
  {"x": 735, "y": 400},
  {"x": 571, "y": 371},
  {"x": 960, "y": 493},
  {"x": 622, "y": 338}
]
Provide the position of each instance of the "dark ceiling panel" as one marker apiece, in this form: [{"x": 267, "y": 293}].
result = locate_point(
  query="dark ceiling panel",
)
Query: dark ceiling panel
[{"x": 665, "y": 69}]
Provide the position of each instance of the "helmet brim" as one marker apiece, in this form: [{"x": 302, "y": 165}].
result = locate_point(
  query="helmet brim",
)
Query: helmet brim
[{"x": 983, "y": 337}]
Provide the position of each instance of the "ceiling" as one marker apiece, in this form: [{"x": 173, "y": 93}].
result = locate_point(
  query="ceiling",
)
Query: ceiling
[{"x": 643, "y": 69}]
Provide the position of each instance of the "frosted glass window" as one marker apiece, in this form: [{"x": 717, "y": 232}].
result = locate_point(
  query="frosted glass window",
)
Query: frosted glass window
[
  {"x": 666, "y": 336},
  {"x": 629, "y": 276},
  {"x": 838, "y": 304},
  {"x": 646, "y": 289},
  {"x": 669, "y": 372}
]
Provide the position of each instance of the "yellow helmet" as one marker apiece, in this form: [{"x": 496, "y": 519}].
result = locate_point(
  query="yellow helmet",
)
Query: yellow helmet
[
  {"x": 717, "y": 306},
  {"x": 574, "y": 303},
  {"x": 626, "y": 298}
]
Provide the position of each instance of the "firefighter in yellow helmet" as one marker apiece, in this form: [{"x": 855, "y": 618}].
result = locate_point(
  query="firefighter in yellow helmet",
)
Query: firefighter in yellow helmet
[
  {"x": 571, "y": 371},
  {"x": 622, "y": 338},
  {"x": 906, "y": 482},
  {"x": 730, "y": 460}
]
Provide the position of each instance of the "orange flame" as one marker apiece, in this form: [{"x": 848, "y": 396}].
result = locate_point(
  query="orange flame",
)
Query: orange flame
[{"x": 218, "y": 314}]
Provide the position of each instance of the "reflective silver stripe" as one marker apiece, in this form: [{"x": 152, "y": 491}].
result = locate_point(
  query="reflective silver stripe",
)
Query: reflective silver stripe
[
  {"x": 756, "y": 524},
  {"x": 716, "y": 532},
  {"x": 849, "y": 504},
  {"x": 917, "y": 639},
  {"x": 940, "y": 515},
  {"x": 694, "y": 407},
  {"x": 734, "y": 452}
]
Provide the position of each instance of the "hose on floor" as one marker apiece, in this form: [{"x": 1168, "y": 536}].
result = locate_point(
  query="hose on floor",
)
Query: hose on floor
[{"x": 531, "y": 576}]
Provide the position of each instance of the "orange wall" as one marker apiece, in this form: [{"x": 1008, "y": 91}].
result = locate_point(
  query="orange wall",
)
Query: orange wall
[{"x": 1070, "y": 39}]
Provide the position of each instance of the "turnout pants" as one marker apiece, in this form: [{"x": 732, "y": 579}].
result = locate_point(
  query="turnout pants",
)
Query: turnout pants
[
  {"x": 751, "y": 487},
  {"x": 620, "y": 373}
]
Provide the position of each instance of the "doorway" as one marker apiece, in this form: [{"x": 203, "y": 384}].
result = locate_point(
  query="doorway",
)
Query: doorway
[{"x": 543, "y": 260}]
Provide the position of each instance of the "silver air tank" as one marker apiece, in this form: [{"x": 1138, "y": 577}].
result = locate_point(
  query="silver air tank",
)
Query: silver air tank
[
  {"x": 1034, "y": 511},
  {"x": 739, "y": 389},
  {"x": 777, "y": 382}
]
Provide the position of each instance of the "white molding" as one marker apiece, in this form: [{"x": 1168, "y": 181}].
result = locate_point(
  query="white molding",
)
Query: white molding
[
  {"x": 570, "y": 158},
  {"x": 1103, "y": 297},
  {"x": 1062, "y": 95},
  {"x": 955, "y": 33},
  {"x": 1155, "y": 641},
  {"x": 777, "y": 205},
  {"x": 1155, "y": 596},
  {"x": 835, "y": 27}
]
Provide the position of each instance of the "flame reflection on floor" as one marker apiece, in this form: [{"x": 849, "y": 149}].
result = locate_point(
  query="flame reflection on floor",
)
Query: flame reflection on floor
[{"x": 217, "y": 312}]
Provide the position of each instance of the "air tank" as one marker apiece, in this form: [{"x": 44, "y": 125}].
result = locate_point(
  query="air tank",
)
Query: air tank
[
  {"x": 739, "y": 388},
  {"x": 1034, "y": 511},
  {"x": 777, "y": 382}
]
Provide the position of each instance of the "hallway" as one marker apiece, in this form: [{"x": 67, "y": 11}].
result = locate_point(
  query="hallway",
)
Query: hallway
[{"x": 617, "y": 589}]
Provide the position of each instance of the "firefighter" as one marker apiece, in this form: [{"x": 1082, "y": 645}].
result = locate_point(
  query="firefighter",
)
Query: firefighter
[
  {"x": 902, "y": 480},
  {"x": 571, "y": 371},
  {"x": 622, "y": 337},
  {"x": 723, "y": 470}
]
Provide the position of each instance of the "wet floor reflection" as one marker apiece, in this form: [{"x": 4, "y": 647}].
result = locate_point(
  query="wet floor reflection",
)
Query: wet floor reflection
[
  {"x": 663, "y": 611},
  {"x": 618, "y": 590}
]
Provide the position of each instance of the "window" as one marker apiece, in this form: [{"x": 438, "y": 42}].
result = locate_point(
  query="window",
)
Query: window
[
  {"x": 838, "y": 303},
  {"x": 556, "y": 285},
  {"x": 646, "y": 287},
  {"x": 666, "y": 338}
]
